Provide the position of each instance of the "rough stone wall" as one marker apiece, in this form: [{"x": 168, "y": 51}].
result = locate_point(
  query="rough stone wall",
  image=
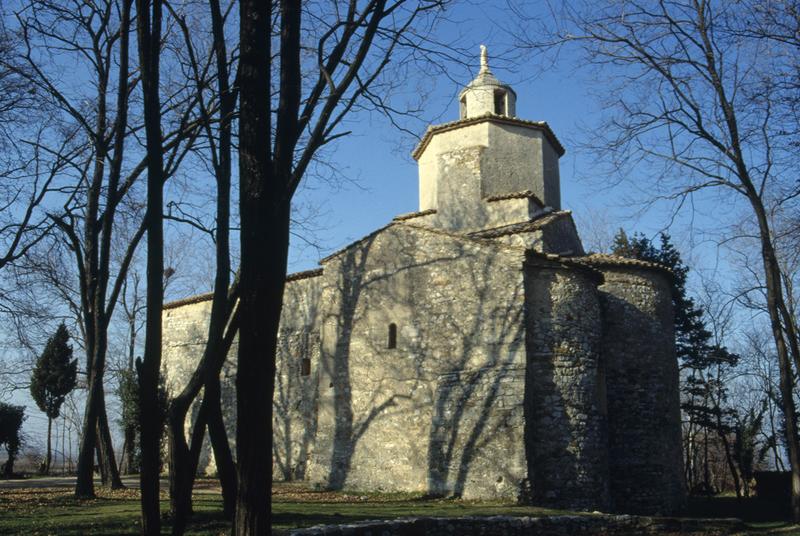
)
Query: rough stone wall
[
  {"x": 514, "y": 158},
  {"x": 430, "y": 172},
  {"x": 296, "y": 379},
  {"x": 551, "y": 174},
  {"x": 459, "y": 189},
  {"x": 185, "y": 331},
  {"x": 642, "y": 385},
  {"x": 442, "y": 412},
  {"x": 515, "y": 162},
  {"x": 567, "y": 430},
  {"x": 508, "y": 377},
  {"x": 549, "y": 233},
  {"x": 508, "y": 211},
  {"x": 595, "y": 525}
]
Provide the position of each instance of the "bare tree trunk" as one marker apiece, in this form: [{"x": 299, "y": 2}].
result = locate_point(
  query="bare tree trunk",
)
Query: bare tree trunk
[
  {"x": 148, "y": 26},
  {"x": 263, "y": 272},
  {"x": 49, "y": 434},
  {"x": 774, "y": 296},
  {"x": 226, "y": 469},
  {"x": 108, "y": 459},
  {"x": 84, "y": 484}
]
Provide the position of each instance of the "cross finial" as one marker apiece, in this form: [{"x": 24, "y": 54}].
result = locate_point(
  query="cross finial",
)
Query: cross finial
[{"x": 484, "y": 59}]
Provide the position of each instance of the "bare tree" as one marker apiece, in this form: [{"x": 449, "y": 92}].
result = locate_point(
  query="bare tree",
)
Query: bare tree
[
  {"x": 218, "y": 134},
  {"x": 96, "y": 122},
  {"x": 29, "y": 175},
  {"x": 696, "y": 105},
  {"x": 353, "y": 44},
  {"x": 148, "y": 25}
]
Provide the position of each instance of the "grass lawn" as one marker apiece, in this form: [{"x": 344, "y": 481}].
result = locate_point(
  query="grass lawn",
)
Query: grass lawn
[{"x": 41, "y": 511}]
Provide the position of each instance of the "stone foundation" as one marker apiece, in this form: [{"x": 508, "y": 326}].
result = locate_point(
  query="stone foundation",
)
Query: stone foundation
[{"x": 531, "y": 526}]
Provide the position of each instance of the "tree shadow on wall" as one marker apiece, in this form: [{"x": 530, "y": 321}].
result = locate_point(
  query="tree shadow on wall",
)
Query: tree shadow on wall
[
  {"x": 295, "y": 401},
  {"x": 371, "y": 291},
  {"x": 461, "y": 339},
  {"x": 559, "y": 443},
  {"x": 469, "y": 387}
]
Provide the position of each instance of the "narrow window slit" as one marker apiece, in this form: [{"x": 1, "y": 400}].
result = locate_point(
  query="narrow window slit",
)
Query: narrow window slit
[
  {"x": 392, "y": 336},
  {"x": 499, "y": 102}
]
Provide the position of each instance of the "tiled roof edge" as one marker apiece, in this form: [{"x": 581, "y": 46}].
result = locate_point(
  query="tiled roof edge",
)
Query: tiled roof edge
[
  {"x": 602, "y": 259},
  {"x": 514, "y": 228},
  {"x": 412, "y": 215},
  {"x": 495, "y": 118},
  {"x": 199, "y": 298}
]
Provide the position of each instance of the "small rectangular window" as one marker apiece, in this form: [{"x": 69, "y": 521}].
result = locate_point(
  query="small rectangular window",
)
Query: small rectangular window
[
  {"x": 305, "y": 367},
  {"x": 392, "y": 336}
]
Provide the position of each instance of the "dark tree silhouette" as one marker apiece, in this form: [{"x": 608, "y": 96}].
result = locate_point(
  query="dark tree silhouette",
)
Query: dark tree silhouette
[
  {"x": 148, "y": 30},
  {"x": 11, "y": 419},
  {"x": 52, "y": 380}
]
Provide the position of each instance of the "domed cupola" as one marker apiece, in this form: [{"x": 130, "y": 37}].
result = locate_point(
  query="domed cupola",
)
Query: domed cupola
[{"x": 486, "y": 94}]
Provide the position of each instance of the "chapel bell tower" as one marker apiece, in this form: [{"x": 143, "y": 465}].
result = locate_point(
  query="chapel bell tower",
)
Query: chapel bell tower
[{"x": 488, "y": 168}]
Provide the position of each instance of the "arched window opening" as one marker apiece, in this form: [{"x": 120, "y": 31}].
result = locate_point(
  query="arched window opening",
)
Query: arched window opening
[
  {"x": 500, "y": 102},
  {"x": 392, "y": 336}
]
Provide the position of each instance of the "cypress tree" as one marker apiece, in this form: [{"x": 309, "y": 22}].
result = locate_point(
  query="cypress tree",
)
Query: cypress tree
[{"x": 52, "y": 380}]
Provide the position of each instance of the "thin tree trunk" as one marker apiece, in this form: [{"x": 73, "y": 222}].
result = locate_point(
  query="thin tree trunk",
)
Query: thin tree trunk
[
  {"x": 180, "y": 473},
  {"x": 98, "y": 460},
  {"x": 775, "y": 301},
  {"x": 49, "y": 433},
  {"x": 108, "y": 458},
  {"x": 226, "y": 469},
  {"x": 731, "y": 465},
  {"x": 95, "y": 261},
  {"x": 84, "y": 485},
  {"x": 184, "y": 456}
]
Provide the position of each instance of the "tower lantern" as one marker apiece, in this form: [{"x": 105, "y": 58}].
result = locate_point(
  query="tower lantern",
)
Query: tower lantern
[{"x": 486, "y": 94}]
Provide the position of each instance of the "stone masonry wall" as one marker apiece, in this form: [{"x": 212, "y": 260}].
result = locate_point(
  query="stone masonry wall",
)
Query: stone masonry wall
[
  {"x": 642, "y": 384},
  {"x": 296, "y": 379},
  {"x": 505, "y": 377},
  {"x": 185, "y": 331},
  {"x": 567, "y": 435},
  {"x": 594, "y": 525},
  {"x": 442, "y": 411}
]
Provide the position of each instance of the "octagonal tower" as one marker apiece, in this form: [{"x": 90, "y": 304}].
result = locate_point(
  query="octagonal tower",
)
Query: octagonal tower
[{"x": 488, "y": 155}]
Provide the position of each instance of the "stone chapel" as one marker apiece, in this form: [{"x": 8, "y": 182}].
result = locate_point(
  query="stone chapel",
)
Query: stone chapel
[{"x": 472, "y": 348}]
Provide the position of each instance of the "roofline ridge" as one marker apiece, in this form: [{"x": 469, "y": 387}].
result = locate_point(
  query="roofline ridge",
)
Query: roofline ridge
[{"x": 491, "y": 117}]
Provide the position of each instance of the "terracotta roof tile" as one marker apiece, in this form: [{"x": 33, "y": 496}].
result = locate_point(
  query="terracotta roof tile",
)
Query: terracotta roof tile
[{"x": 602, "y": 259}]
